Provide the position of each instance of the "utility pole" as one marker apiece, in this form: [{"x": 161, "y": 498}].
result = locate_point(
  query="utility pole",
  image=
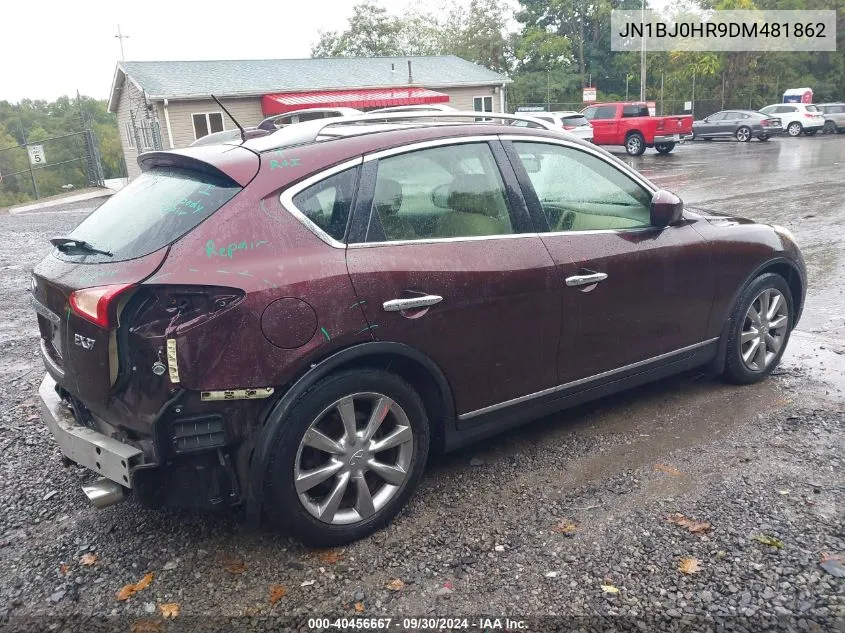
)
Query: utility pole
[
  {"x": 120, "y": 36},
  {"x": 548, "y": 90},
  {"x": 692, "y": 110},
  {"x": 662, "y": 111},
  {"x": 642, "y": 53},
  {"x": 627, "y": 77},
  {"x": 28, "y": 159}
]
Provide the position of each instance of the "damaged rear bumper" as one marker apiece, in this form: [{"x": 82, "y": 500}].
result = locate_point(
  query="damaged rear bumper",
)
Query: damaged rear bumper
[{"x": 105, "y": 456}]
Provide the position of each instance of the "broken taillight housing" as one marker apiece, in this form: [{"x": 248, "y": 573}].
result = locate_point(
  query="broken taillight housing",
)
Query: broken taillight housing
[{"x": 98, "y": 304}]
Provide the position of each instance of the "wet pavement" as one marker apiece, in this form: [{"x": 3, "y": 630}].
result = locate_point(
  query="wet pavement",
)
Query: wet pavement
[{"x": 480, "y": 536}]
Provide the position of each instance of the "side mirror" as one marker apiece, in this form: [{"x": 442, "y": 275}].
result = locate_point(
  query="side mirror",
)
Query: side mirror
[
  {"x": 440, "y": 196},
  {"x": 666, "y": 208}
]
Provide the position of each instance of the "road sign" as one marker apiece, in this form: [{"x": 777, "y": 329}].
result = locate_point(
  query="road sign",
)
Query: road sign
[
  {"x": 36, "y": 155},
  {"x": 687, "y": 105},
  {"x": 589, "y": 94}
]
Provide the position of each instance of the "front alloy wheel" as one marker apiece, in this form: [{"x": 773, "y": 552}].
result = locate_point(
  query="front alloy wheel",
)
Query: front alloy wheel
[
  {"x": 761, "y": 323},
  {"x": 764, "y": 329},
  {"x": 353, "y": 458}
]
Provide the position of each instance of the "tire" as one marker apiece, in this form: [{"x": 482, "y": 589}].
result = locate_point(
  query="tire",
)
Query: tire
[
  {"x": 794, "y": 129},
  {"x": 635, "y": 144},
  {"x": 743, "y": 134},
  {"x": 810, "y": 132},
  {"x": 747, "y": 362},
  {"x": 319, "y": 409},
  {"x": 664, "y": 148},
  {"x": 829, "y": 127}
]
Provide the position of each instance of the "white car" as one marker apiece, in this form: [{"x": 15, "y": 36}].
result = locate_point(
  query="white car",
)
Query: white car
[
  {"x": 570, "y": 122},
  {"x": 796, "y": 118}
]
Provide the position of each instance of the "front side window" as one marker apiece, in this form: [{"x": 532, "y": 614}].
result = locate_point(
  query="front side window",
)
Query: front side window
[
  {"x": 206, "y": 123},
  {"x": 328, "y": 202},
  {"x": 442, "y": 192},
  {"x": 581, "y": 192}
]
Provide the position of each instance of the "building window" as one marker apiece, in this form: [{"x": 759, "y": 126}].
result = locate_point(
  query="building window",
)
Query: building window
[
  {"x": 482, "y": 104},
  {"x": 130, "y": 137},
  {"x": 206, "y": 123}
]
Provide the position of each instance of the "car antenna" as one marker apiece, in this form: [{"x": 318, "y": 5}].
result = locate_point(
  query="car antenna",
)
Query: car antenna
[{"x": 243, "y": 134}]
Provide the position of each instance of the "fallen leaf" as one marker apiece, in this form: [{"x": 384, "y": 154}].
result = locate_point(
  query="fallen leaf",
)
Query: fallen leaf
[
  {"x": 669, "y": 470},
  {"x": 88, "y": 559},
  {"x": 693, "y": 526},
  {"x": 277, "y": 592},
  {"x": 395, "y": 585},
  {"x": 63, "y": 569},
  {"x": 565, "y": 527},
  {"x": 359, "y": 607},
  {"x": 551, "y": 574},
  {"x": 130, "y": 590},
  {"x": 783, "y": 492},
  {"x": 782, "y": 401},
  {"x": 328, "y": 556},
  {"x": 689, "y": 566},
  {"x": 233, "y": 564},
  {"x": 609, "y": 589},
  {"x": 146, "y": 626},
  {"x": 833, "y": 565},
  {"x": 448, "y": 585},
  {"x": 169, "y": 610},
  {"x": 771, "y": 541},
  {"x": 307, "y": 583}
]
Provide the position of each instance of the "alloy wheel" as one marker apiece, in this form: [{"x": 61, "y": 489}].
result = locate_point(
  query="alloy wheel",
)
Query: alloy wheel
[
  {"x": 764, "y": 329},
  {"x": 633, "y": 144},
  {"x": 794, "y": 129},
  {"x": 353, "y": 458},
  {"x": 743, "y": 134}
]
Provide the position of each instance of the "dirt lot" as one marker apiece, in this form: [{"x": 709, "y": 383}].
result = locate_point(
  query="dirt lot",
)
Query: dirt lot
[{"x": 566, "y": 517}]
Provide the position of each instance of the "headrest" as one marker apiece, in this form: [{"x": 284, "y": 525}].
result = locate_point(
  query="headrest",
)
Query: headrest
[
  {"x": 388, "y": 197},
  {"x": 471, "y": 193}
]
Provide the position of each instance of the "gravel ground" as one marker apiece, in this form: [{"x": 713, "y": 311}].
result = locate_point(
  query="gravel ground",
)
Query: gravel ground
[{"x": 479, "y": 538}]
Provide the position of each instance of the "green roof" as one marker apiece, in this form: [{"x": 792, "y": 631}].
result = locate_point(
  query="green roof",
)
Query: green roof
[{"x": 262, "y": 76}]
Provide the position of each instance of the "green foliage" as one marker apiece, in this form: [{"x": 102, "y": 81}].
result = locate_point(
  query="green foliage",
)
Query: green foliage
[{"x": 54, "y": 124}]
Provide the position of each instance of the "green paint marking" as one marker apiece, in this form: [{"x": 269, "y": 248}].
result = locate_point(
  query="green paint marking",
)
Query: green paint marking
[
  {"x": 326, "y": 334},
  {"x": 369, "y": 327},
  {"x": 358, "y": 303}
]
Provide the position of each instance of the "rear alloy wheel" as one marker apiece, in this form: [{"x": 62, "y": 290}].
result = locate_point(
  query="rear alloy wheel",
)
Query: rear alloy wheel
[
  {"x": 743, "y": 134},
  {"x": 761, "y": 325},
  {"x": 635, "y": 144},
  {"x": 664, "y": 148},
  {"x": 829, "y": 127},
  {"x": 794, "y": 129},
  {"x": 348, "y": 458}
]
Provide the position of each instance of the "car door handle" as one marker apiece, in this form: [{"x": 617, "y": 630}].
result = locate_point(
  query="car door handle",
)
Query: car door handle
[
  {"x": 585, "y": 280},
  {"x": 397, "y": 305}
]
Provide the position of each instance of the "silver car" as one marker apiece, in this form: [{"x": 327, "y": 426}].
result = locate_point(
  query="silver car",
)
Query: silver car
[{"x": 834, "y": 117}]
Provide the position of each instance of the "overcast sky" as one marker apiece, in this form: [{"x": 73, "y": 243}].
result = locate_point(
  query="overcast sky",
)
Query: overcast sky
[{"x": 72, "y": 44}]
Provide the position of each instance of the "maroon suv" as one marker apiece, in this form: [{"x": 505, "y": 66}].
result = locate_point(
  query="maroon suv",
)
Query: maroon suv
[{"x": 295, "y": 322}]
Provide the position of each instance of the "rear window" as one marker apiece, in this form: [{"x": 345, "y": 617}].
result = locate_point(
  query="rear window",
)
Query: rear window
[
  {"x": 634, "y": 111},
  {"x": 154, "y": 210},
  {"x": 574, "y": 120},
  {"x": 812, "y": 108}
]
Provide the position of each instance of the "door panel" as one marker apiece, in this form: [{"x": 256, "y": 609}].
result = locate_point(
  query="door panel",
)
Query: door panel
[
  {"x": 446, "y": 222},
  {"x": 629, "y": 291}
]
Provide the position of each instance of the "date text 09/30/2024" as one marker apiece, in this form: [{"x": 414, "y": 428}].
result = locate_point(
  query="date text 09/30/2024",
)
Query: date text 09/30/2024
[{"x": 417, "y": 624}]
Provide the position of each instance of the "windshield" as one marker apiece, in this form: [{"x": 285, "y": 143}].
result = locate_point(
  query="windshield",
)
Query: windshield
[
  {"x": 576, "y": 120},
  {"x": 152, "y": 211}
]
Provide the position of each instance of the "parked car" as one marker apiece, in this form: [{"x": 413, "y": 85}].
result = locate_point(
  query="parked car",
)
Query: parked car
[
  {"x": 742, "y": 125},
  {"x": 631, "y": 125},
  {"x": 570, "y": 122},
  {"x": 296, "y": 322},
  {"x": 273, "y": 123},
  {"x": 834, "y": 117},
  {"x": 796, "y": 117}
]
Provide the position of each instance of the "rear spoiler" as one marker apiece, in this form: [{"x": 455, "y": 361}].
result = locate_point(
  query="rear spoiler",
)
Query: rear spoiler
[{"x": 222, "y": 161}]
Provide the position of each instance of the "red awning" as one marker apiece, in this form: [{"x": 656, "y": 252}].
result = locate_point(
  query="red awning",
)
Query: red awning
[{"x": 363, "y": 98}]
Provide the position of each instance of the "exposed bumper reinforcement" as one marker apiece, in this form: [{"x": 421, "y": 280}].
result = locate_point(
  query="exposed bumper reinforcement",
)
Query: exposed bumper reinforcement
[{"x": 87, "y": 447}]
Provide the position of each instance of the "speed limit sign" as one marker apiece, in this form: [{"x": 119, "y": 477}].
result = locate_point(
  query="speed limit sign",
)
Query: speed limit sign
[{"x": 36, "y": 155}]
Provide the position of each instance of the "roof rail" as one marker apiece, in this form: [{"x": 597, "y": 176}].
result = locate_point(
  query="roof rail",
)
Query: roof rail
[{"x": 311, "y": 131}]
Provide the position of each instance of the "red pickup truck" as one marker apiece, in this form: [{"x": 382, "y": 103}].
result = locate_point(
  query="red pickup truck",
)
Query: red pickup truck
[{"x": 631, "y": 125}]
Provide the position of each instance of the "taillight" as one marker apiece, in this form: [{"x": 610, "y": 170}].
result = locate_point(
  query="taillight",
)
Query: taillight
[
  {"x": 764, "y": 123},
  {"x": 809, "y": 116},
  {"x": 97, "y": 304}
]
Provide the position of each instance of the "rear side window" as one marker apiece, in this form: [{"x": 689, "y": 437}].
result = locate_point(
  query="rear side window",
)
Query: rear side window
[
  {"x": 328, "y": 202},
  {"x": 154, "y": 210},
  {"x": 605, "y": 112},
  {"x": 634, "y": 111}
]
